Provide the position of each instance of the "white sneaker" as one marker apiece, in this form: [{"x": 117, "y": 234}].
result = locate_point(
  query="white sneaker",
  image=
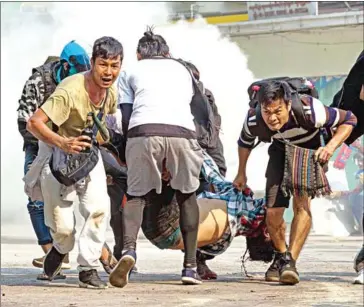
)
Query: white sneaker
[{"x": 360, "y": 278}]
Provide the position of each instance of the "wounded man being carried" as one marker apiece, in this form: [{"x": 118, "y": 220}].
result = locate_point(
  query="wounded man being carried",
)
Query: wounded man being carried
[{"x": 224, "y": 214}]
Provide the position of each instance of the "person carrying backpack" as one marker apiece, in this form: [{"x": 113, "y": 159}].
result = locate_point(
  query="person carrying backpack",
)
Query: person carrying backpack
[
  {"x": 37, "y": 89},
  {"x": 156, "y": 98},
  {"x": 296, "y": 125},
  {"x": 69, "y": 165}
]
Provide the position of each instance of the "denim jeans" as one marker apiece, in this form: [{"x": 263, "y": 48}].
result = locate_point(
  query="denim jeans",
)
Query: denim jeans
[{"x": 36, "y": 208}]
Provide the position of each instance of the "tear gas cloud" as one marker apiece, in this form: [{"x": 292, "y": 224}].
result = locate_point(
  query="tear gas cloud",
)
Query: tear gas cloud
[{"x": 28, "y": 38}]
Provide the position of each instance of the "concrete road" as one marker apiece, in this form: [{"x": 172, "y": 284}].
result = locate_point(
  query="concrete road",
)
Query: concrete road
[{"x": 325, "y": 266}]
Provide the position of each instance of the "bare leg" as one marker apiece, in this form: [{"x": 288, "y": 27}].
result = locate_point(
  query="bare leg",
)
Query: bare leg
[
  {"x": 46, "y": 247},
  {"x": 202, "y": 269},
  {"x": 107, "y": 259},
  {"x": 277, "y": 231},
  {"x": 277, "y": 228},
  {"x": 301, "y": 225}
]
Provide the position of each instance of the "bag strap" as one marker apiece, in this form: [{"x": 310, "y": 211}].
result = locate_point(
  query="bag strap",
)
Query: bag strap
[
  {"x": 95, "y": 128},
  {"x": 194, "y": 81},
  {"x": 322, "y": 140}
]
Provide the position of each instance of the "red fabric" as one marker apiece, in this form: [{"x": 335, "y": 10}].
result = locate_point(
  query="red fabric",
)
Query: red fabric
[
  {"x": 123, "y": 202},
  {"x": 342, "y": 157}
]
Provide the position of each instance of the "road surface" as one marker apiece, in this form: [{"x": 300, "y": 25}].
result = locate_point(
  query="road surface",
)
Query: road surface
[{"x": 325, "y": 266}]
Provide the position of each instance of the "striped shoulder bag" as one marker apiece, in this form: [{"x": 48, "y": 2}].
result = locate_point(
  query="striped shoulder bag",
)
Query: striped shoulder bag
[{"x": 302, "y": 175}]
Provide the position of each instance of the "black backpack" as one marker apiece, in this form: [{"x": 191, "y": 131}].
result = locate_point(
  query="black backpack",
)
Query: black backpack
[
  {"x": 207, "y": 127},
  {"x": 299, "y": 85},
  {"x": 299, "y": 88}
]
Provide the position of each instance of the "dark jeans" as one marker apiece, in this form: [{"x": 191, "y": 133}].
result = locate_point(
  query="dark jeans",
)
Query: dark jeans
[
  {"x": 116, "y": 193},
  {"x": 36, "y": 208}
]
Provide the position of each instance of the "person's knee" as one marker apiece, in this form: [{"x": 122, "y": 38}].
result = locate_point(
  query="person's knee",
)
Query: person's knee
[
  {"x": 97, "y": 209},
  {"x": 274, "y": 216},
  {"x": 35, "y": 207},
  {"x": 98, "y": 219},
  {"x": 189, "y": 226},
  {"x": 189, "y": 220},
  {"x": 301, "y": 205},
  {"x": 189, "y": 212},
  {"x": 65, "y": 238}
]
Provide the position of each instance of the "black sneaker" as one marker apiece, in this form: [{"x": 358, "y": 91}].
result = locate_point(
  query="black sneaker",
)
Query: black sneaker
[
  {"x": 53, "y": 263},
  {"x": 272, "y": 273},
  {"x": 288, "y": 272},
  {"x": 119, "y": 277},
  {"x": 91, "y": 279},
  {"x": 359, "y": 261}
]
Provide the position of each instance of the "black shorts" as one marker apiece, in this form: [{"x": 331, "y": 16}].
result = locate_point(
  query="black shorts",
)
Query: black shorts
[{"x": 274, "y": 175}]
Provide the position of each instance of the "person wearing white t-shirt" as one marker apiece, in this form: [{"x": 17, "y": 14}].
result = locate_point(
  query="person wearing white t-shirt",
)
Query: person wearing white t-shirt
[{"x": 155, "y": 98}]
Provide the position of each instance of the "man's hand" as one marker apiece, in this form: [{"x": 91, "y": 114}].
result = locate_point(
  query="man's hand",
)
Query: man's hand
[
  {"x": 75, "y": 145},
  {"x": 323, "y": 154},
  {"x": 240, "y": 181}
]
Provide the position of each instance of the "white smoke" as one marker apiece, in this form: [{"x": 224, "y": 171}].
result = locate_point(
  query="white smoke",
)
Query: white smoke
[{"x": 28, "y": 40}]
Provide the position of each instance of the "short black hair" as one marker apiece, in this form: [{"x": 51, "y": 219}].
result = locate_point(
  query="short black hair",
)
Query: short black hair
[
  {"x": 274, "y": 90},
  {"x": 194, "y": 70},
  {"x": 107, "y": 47},
  {"x": 152, "y": 45}
]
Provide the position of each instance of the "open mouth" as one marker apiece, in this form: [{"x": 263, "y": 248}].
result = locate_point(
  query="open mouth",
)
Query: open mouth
[
  {"x": 273, "y": 125},
  {"x": 106, "y": 79}
]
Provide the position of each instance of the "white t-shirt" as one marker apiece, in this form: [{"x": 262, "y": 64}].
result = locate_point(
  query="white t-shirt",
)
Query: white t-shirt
[{"x": 160, "y": 91}]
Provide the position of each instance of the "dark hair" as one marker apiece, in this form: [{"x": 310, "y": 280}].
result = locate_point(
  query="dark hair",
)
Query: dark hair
[
  {"x": 274, "y": 90},
  {"x": 194, "y": 70},
  {"x": 107, "y": 47},
  {"x": 259, "y": 246},
  {"x": 152, "y": 45}
]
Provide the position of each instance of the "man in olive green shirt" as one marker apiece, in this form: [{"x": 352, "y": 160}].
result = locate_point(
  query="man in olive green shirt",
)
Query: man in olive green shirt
[{"x": 67, "y": 109}]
